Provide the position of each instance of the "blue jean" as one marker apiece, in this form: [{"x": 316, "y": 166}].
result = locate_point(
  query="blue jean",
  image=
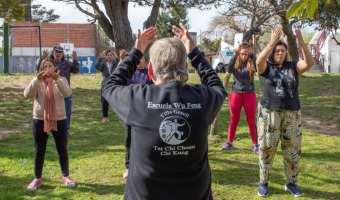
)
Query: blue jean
[{"x": 68, "y": 109}]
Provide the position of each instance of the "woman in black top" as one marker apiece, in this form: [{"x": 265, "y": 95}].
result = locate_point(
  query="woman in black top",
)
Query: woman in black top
[
  {"x": 279, "y": 114},
  {"x": 106, "y": 64}
]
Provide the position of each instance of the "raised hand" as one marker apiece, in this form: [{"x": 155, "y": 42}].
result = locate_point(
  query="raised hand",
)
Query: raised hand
[
  {"x": 74, "y": 55},
  {"x": 183, "y": 34},
  {"x": 40, "y": 75},
  {"x": 103, "y": 55},
  {"x": 51, "y": 73},
  {"x": 45, "y": 54},
  {"x": 299, "y": 36},
  {"x": 276, "y": 34},
  {"x": 122, "y": 54},
  {"x": 145, "y": 38}
]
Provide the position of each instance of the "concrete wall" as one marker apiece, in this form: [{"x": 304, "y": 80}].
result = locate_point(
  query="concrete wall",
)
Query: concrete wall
[
  {"x": 332, "y": 54},
  {"x": 28, "y": 64},
  {"x": 35, "y": 51}
]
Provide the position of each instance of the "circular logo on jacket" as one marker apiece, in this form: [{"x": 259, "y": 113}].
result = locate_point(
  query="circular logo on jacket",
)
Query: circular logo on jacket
[{"x": 174, "y": 130}]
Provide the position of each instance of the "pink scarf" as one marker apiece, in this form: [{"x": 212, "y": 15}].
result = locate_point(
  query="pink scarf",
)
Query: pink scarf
[{"x": 50, "y": 119}]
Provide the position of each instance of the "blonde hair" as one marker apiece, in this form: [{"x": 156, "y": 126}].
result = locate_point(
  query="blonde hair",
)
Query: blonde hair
[
  {"x": 168, "y": 58},
  {"x": 248, "y": 62}
]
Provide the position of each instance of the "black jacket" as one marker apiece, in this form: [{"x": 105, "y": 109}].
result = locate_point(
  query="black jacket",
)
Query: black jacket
[
  {"x": 169, "y": 129},
  {"x": 243, "y": 83},
  {"x": 101, "y": 66}
]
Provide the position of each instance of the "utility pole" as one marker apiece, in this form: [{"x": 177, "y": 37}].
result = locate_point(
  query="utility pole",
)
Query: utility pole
[{"x": 6, "y": 48}]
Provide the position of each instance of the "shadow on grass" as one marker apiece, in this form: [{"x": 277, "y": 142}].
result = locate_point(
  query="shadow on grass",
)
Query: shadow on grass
[
  {"x": 21, "y": 146},
  {"x": 324, "y": 156},
  {"x": 101, "y": 189},
  {"x": 89, "y": 134},
  {"x": 15, "y": 110},
  {"x": 51, "y": 189}
]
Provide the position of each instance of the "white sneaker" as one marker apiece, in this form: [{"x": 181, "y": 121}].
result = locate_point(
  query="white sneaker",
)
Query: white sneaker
[{"x": 126, "y": 173}]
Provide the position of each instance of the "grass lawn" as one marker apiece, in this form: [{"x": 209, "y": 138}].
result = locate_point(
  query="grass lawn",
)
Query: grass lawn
[{"x": 96, "y": 151}]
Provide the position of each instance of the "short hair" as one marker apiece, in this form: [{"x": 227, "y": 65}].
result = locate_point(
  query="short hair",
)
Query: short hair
[
  {"x": 271, "y": 57},
  {"x": 168, "y": 58}
]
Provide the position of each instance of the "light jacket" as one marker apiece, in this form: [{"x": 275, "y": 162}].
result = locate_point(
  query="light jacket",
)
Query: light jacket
[{"x": 37, "y": 90}]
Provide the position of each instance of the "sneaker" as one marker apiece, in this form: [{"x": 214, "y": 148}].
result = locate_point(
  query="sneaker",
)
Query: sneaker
[
  {"x": 294, "y": 189},
  {"x": 255, "y": 148},
  {"x": 69, "y": 182},
  {"x": 34, "y": 184},
  {"x": 263, "y": 190},
  {"x": 105, "y": 119},
  {"x": 227, "y": 146},
  {"x": 126, "y": 173}
]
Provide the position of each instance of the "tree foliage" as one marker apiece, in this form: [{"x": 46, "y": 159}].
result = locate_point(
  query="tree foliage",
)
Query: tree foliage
[
  {"x": 240, "y": 16},
  {"x": 302, "y": 9},
  {"x": 114, "y": 18},
  {"x": 168, "y": 17},
  {"x": 210, "y": 46},
  {"x": 305, "y": 9},
  {"x": 328, "y": 15},
  {"x": 41, "y": 14},
  {"x": 323, "y": 13},
  {"x": 266, "y": 14},
  {"x": 11, "y": 10}
]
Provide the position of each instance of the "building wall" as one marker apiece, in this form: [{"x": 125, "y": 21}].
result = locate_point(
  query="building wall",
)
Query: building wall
[
  {"x": 332, "y": 55},
  {"x": 25, "y": 41},
  {"x": 35, "y": 51}
]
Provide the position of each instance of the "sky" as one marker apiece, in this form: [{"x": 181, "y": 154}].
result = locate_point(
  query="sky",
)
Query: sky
[{"x": 198, "y": 19}]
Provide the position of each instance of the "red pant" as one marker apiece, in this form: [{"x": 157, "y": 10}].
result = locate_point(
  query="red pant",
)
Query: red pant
[{"x": 248, "y": 101}]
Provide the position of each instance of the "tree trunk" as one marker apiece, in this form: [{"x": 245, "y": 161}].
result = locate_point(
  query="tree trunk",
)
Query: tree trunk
[
  {"x": 152, "y": 19},
  {"x": 121, "y": 27},
  {"x": 291, "y": 39},
  {"x": 213, "y": 126},
  {"x": 28, "y": 12},
  {"x": 117, "y": 25}
]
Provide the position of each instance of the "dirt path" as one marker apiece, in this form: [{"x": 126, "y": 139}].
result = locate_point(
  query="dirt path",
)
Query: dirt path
[
  {"x": 3, "y": 134},
  {"x": 317, "y": 126}
]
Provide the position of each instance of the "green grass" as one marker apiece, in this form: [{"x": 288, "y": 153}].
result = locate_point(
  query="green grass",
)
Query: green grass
[{"x": 96, "y": 151}]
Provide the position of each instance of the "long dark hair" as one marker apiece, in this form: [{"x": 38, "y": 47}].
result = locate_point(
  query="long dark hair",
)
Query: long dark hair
[{"x": 271, "y": 57}]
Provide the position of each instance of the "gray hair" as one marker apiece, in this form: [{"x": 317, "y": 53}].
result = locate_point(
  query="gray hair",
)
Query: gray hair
[{"x": 168, "y": 58}]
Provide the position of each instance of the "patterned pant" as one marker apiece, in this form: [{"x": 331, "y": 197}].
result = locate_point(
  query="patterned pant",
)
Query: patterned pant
[{"x": 275, "y": 125}]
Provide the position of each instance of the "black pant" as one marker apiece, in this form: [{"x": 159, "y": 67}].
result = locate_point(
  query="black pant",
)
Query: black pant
[
  {"x": 105, "y": 105},
  {"x": 127, "y": 145},
  {"x": 40, "y": 141}
]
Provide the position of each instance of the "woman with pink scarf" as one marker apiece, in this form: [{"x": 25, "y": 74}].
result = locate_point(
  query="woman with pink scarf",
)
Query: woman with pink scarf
[{"x": 48, "y": 90}]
